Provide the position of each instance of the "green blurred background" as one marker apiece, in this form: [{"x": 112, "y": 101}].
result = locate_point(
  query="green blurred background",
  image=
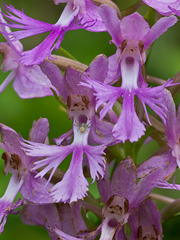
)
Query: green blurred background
[{"x": 163, "y": 62}]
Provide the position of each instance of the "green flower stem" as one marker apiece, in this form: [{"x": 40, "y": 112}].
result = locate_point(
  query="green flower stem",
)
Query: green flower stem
[
  {"x": 92, "y": 204},
  {"x": 90, "y": 207},
  {"x": 132, "y": 9},
  {"x": 151, "y": 16},
  {"x": 65, "y": 53},
  {"x": 88, "y": 223}
]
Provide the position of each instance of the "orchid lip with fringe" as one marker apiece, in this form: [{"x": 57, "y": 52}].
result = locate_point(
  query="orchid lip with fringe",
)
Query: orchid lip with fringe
[{"x": 133, "y": 129}]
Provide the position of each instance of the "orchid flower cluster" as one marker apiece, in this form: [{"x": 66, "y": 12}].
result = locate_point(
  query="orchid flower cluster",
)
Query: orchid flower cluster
[{"x": 114, "y": 111}]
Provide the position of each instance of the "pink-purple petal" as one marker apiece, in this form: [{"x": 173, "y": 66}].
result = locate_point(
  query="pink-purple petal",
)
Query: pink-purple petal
[
  {"x": 68, "y": 15},
  {"x": 41, "y": 150},
  {"x": 104, "y": 186},
  {"x": 145, "y": 187},
  {"x": 146, "y": 222},
  {"x": 101, "y": 132},
  {"x": 72, "y": 221},
  {"x": 166, "y": 185},
  {"x": 63, "y": 235},
  {"x": 36, "y": 190},
  {"x": 30, "y": 215},
  {"x": 128, "y": 126},
  {"x": 16, "y": 45},
  {"x": 164, "y": 161},
  {"x": 163, "y": 7},
  {"x": 40, "y": 130},
  {"x": 114, "y": 68},
  {"x": 170, "y": 126},
  {"x": 11, "y": 143},
  {"x": 95, "y": 160},
  {"x": 52, "y": 162},
  {"x": 10, "y": 56},
  {"x": 112, "y": 23},
  {"x": 66, "y": 190},
  {"x": 158, "y": 29},
  {"x": 104, "y": 93},
  {"x": 120, "y": 235},
  {"x": 134, "y": 27},
  {"x": 38, "y": 54},
  {"x": 155, "y": 98},
  {"x": 72, "y": 84},
  {"x": 30, "y": 82},
  {"x": 45, "y": 215},
  {"x": 64, "y": 139},
  {"x": 124, "y": 179},
  {"x": 90, "y": 14},
  {"x": 21, "y": 17},
  {"x": 54, "y": 75},
  {"x": 100, "y": 62},
  {"x": 175, "y": 11}
]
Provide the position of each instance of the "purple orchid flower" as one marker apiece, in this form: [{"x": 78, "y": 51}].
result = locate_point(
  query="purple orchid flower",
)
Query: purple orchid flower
[
  {"x": 88, "y": 12},
  {"x": 29, "y": 82},
  {"x": 132, "y": 35},
  {"x": 80, "y": 107},
  {"x": 168, "y": 160},
  {"x": 66, "y": 22},
  {"x": 146, "y": 222},
  {"x": 64, "y": 220},
  {"x": 175, "y": 11},
  {"x": 66, "y": 190},
  {"x": 19, "y": 164},
  {"x": 172, "y": 128},
  {"x": 166, "y": 7},
  {"x": 44, "y": 215},
  {"x": 69, "y": 85},
  {"x": 122, "y": 196},
  {"x": 164, "y": 161}
]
